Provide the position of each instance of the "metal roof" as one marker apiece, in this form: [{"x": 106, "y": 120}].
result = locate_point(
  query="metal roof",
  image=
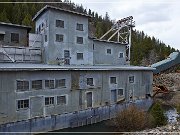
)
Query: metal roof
[
  {"x": 39, "y": 13},
  {"x": 34, "y": 67},
  {"x": 16, "y": 25}
]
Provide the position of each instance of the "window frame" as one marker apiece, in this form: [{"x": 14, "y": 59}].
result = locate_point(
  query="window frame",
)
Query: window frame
[
  {"x": 22, "y": 90},
  {"x": 79, "y": 27},
  {"x": 64, "y": 103},
  {"x": 91, "y": 80},
  {"x": 32, "y": 81},
  {"x": 49, "y": 84},
  {"x": 45, "y": 38},
  {"x": 78, "y": 56},
  {"x": 111, "y": 81},
  {"x": 129, "y": 79},
  {"x": 15, "y": 41},
  {"x": 59, "y": 23},
  {"x": 49, "y": 101},
  {"x": 60, "y": 38},
  {"x": 22, "y": 104},
  {"x": 108, "y": 49},
  {"x": 122, "y": 92},
  {"x": 79, "y": 40},
  {"x": 60, "y": 86},
  {"x": 120, "y": 55}
]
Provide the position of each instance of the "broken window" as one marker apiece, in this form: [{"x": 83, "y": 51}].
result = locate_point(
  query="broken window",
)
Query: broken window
[
  {"x": 108, "y": 51},
  {"x": 90, "y": 81},
  {"x": 79, "y": 27},
  {"x": 79, "y": 40},
  {"x": 23, "y": 104},
  {"x": 61, "y": 100},
  {"x": 60, "y": 83},
  {"x": 79, "y": 56},
  {"x": 121, "y": 55},
  {"x": 131, "y": 79},
  {"x": 37, "y": 84},
  {"x": 120, "y": 92},
  {"x": 60, "y": 23},
  {"x": 22, "y": 85},
  {"x": 113, "y": 80},
  {"x": 59, "y": 37},
  {"x": 49, "y": 100},
  {"x": 49, "y": 84},
  {"x": 15, "y": 37}
]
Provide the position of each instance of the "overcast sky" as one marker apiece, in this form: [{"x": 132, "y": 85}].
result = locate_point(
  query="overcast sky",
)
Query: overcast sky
[{"x": 158, "y": 18}]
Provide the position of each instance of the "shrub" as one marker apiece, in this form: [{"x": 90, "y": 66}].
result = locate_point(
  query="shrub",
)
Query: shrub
[
  {"x": 158, "y": 114},
  {"x": 132, "y": 119}
]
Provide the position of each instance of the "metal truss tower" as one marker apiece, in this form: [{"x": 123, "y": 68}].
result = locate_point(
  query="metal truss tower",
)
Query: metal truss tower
[{"x": 122, "y": 29}]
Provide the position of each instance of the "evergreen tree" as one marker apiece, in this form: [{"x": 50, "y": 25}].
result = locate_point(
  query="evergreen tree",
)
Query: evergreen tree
[
  {"x": 27, "y": 20},
  {"x": 3, "y": 16}
]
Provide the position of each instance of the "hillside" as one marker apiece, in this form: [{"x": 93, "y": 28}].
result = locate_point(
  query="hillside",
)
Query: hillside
[{"x": 145, "y": 49}]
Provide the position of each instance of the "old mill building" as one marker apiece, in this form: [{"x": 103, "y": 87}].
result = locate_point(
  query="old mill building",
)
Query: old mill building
[{"x": 62, "y": 70}]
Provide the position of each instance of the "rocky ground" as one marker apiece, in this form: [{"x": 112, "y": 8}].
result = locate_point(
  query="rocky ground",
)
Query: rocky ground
[{"x": 172, "y": 82}]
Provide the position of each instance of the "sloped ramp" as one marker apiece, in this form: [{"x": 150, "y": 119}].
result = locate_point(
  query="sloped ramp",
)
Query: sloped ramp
[{"x": 172, "y": 60}]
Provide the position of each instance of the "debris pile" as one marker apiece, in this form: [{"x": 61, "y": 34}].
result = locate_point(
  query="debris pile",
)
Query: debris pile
[{"x": 171, "y": 81}]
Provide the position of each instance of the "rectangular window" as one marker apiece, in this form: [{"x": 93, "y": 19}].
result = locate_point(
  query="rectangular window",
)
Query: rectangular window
[
  {"x": 79, "y": 40},
  {"x": 1, "y": 37},
  {"x": 15, "y": 37},
  {"x": 61, "y": 100},
  {"x": 22, "y": 85},
  {"x": 131, "y": 79},
  {"x": 121, "y": 55},
  {"x": 60, "y": 83},
  {"x": 37, "y": 84},
  {"x": 113, "y": 80},
  {"x": 108, "y": 51},
  {"x": 60, "y": 23},
  {"x": 79, "y": 56},
  {"x": 59, "y": 37},
  {"x": 79, "y": 27},
  {"x": 49, "y": 100},
  {"x": 49, "y": 84},
  {"x": 90, "y": 81},
  {"x": 45, "y": 38},
  {"x": 120, "y": 92},
  {"x": 23, "y": 104}
]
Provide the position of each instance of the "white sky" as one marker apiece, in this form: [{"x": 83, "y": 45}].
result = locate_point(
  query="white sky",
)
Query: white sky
[{"x": 158, "y": 18}]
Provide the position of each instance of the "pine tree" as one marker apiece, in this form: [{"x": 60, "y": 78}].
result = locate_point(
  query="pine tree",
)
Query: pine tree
[
  {"x": 27, "y": 20},
  {"x": 3, "y": 16}
]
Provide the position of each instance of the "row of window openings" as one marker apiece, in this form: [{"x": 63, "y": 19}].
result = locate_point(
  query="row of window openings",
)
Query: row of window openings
[
  {"x": 37, "y": 84},
  {"x": 60, "y": 38},
  {"x": 50, "y": 84},
  {"x": 61, "y": 100},
  {"x": 14, "y": 37},
  {"x": 108, "y": 51},
  {"x": 60, "y": 23},
  {"x": 113, "y": 80}
]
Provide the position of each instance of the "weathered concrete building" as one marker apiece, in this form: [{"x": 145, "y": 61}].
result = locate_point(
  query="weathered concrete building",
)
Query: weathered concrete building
[{"x": 61, "y": 71}]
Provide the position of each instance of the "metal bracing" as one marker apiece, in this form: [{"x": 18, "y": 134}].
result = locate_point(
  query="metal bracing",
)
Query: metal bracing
[
  {"x": 5, "y": 53},
  {"x": 122, "y": 28}
]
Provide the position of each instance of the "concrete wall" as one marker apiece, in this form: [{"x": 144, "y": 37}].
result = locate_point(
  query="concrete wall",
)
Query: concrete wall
[
  {"x": 101, "y": 57},
  {"x": 70, "y": 34},
  {"x": 75, "y": 119},
  {"x": 23, "y": 36},
  {"x": 76, "y": 89}
]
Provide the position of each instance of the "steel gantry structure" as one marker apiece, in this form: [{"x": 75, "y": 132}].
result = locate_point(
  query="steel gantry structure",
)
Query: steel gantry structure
[{"x": 123, "y": 29}]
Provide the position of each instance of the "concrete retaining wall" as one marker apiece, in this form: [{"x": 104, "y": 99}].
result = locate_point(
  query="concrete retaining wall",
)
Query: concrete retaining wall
[{"x": 75, "y": 119}]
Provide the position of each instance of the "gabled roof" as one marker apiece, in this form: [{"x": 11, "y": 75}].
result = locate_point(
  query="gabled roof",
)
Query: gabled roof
[
  {"x": 40, "y": 12},
  {"x": 16, "y": 25}
]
